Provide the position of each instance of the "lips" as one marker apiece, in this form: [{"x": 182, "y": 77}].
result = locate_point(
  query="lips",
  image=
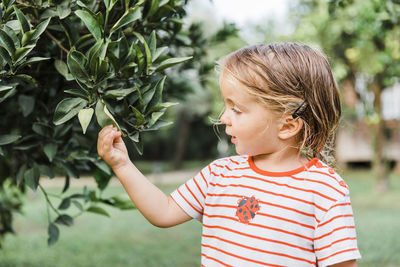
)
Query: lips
[{"x": 234, "y": 139}]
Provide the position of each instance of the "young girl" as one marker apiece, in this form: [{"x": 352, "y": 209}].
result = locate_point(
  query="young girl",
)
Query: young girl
[{"x": 276, "y": 203}]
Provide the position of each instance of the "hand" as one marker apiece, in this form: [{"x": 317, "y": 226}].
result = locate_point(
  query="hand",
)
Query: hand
[{"x": 111, "y": 147}]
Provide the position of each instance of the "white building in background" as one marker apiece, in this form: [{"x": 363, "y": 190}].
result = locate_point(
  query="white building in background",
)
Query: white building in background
[
  {"x": 354, "y": 141},
  {"x": 391, "y": 103}
]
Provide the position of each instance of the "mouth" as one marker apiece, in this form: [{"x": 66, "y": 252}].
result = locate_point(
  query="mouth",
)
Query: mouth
[{"x": 234, "y": 139}]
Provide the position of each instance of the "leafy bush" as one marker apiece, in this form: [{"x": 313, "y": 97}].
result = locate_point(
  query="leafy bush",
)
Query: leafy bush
[{"x": 63, "y": 63}]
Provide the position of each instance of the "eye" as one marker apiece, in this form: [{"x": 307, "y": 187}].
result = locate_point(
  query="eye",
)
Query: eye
[{"x": 236, "y": 110}]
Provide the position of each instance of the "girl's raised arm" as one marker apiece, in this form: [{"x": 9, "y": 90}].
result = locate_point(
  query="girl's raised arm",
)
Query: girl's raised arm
[{"x": 159, "y": 209}]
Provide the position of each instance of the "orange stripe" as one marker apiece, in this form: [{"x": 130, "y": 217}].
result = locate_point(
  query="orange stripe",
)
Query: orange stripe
[
  {"x": 199, "y": 188},
  {"x": 320, "y": 182},
  {"x": 237, "y": 163},
  {"x": 204, "y": 178},
  {"x": 194, "y": 196},
  {"x": 341, "y": 204},
  {"x": 259, "y": 250},
  {"x": 336, "y": 217},
  {"x": 266, "y": 203},
  {"x": 337, "y": 241},
  {"x": 237, "y": 256},
  {"x": 188, "y": 202},
  {"x": 214, "y": 259},
  {"x": 278, "y": 184},
  {"x": 258, "y": 225},
  {"x": 337, "y": 229},
  {"x": 339, "y": 252},
  {"x": 258, "y": 237},
  {"x": 272, "y": 193},
  {"x": 262, "y": 214},
  {"x": 324, "y": 173}
]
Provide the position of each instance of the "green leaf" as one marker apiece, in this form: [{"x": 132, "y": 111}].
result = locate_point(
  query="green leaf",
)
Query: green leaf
[
  {"x": 154, "y": 117},
  {"x": 46, "y": 170},
  {"x": 158, "y": 52},
  {"x": 65, "y": 203},
  {"x": 12, "y": 35},
  {"x": 50, "y": 150},
  {"x": 140, "y": 119},
  {"x": 98, "y": 210},
  {"x": 65, "y": 220},
  {"x": 171, "y": 62},
  {"x": 156, "y": 99},
  {"x": 8, "y": 94},
  {"x": 103, "y": 166},
  {"x": 119, "y": 93},
  {"x": 20, "y": 174},
  {"x": 30, "y": 61},
  {"x": 104, "y": 116},
  {"x": 160, "y": 107},
  {"x": 76, "y": 62},
  {"x": 27, "y": 36},
  {"x": 27, "y": 104},
  {"x": 153, "y": 8},
  {"x": 78, "y": 205},
  {"x": 85, "y": 116},
  {"x": 41, "y": 28},
  {"x": 129, "y": 16},
  {"x": 90, "y": 22},
  {"x": 5, "y": 56},
  {"x": 22, "y": 52},
  {"x": 7, "y": 42},
  {"x": 31, "y": 177},
  {"x": 61, "y": 67},
  {"x": 140, "y": 58},
  {"x": 123, "y": 202},
  {"x": 153, "y": 43},
  {"x": 102, "y": 179},
  {"x": 8, "y": 139},
  {"x": 76, "y": 92},
  {"x": 23, "y": 21},
  {"x": 146, "y": 49},
  {"x": 53, "y": 233},
  {"x": 67, "y": 109},
  {"x": 63, "y": 11},
  {"x": 158, "y": 125}
]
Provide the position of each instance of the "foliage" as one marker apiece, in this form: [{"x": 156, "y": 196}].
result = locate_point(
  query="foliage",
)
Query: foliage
[
  {"x": 361, "y": 39},
  {"x": 62, "y": 60}
]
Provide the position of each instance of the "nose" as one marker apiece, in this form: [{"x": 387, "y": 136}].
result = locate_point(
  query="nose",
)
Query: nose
[{"x": 225, "y": 119}]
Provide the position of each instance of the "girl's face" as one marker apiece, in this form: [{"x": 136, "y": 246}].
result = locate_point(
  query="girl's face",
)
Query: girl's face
[{"x": 254, "y": 128}]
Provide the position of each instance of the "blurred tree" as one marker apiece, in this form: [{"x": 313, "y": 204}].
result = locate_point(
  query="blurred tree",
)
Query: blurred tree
[
  {"x": 360, "y": 37},
  {"x": 63, "y": 63}
]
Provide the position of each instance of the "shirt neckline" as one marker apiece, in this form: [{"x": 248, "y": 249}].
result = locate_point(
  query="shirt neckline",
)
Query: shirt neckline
[{"x": 268, "y": 173}]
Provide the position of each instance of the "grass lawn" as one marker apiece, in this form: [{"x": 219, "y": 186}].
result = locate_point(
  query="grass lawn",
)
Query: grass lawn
[{"x": 127, "y": 239}]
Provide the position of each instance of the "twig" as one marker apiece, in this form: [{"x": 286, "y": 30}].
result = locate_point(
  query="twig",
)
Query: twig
[
  {"x": 48, "y": 200},
  {"x": 58, "y": 43}
]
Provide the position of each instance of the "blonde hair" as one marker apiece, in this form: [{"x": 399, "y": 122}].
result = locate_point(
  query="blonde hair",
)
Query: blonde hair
[{"x": 285, "y": 76}]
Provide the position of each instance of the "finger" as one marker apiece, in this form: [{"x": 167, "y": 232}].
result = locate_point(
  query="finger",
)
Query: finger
[{"x": 105, "y": 142}]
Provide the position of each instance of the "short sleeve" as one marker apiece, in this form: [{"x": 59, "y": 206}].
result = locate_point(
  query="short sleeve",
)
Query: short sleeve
[
  {"x": 335, "y": 237},
  {"x": 191, "y": 195}
]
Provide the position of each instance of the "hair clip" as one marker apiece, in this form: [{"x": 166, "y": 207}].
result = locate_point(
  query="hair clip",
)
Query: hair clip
[{"x": 298, "y": 112}]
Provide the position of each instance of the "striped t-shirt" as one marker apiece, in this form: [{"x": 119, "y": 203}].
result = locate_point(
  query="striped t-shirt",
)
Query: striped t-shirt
[{"x": 252, "y": 217}]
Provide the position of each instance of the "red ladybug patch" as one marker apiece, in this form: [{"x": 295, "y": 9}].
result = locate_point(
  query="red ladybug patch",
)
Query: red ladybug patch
[{"x": 247, "y": 209}]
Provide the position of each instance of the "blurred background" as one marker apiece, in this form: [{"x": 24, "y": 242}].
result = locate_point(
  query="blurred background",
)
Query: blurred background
[{"x": 361, "y": 39}]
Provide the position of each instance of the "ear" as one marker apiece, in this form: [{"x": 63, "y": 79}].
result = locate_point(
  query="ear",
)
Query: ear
[{"x": 289, "y": 127}]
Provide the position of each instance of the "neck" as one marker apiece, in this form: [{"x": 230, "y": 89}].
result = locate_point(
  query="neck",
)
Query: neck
[{"x": 286, "y": 159}]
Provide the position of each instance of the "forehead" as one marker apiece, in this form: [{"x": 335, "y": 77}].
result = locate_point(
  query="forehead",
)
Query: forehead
[{"x": 234, "y": 90}]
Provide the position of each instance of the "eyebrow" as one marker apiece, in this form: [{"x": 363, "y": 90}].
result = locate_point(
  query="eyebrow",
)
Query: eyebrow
[{"x": 231, "y": 101}]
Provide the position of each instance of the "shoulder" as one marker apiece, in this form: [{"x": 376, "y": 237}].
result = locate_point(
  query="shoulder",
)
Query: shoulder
[
  {"x": 230, "y": 163},
  {"x": 326, "y": 179}
]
